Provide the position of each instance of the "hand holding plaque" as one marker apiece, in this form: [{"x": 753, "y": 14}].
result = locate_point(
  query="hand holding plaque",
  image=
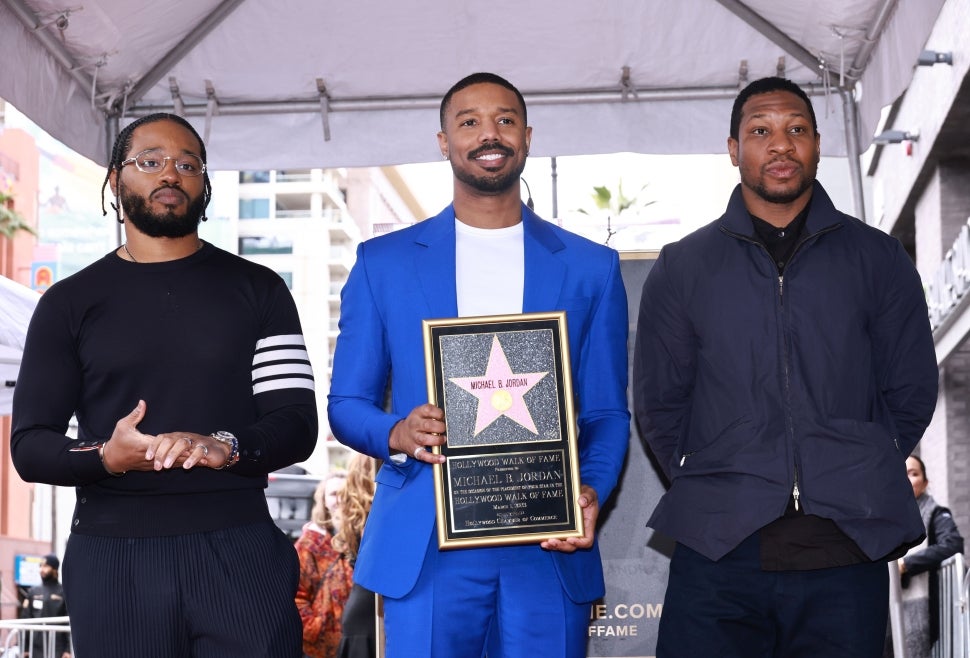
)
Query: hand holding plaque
[{"x": 510, "y": 474}]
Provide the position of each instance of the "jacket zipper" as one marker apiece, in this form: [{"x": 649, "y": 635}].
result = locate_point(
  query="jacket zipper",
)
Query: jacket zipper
[
  {"x": 796, "y": 492},
  {"x": 790, "y": 425}
]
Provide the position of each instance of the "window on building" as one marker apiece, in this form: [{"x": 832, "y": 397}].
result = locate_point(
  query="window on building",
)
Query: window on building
[
  {"x": 288, "y": 278},
  {"x": 253, "y": 176},
  {"x": 253, "y": 245},
  {"x": 254, "y": 209},
  {"x": 293, "y": 175},
  {"x": 293, "y": 205}
]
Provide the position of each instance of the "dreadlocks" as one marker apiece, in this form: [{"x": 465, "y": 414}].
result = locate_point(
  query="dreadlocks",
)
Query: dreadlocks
[{"x": 123, "y": 144}]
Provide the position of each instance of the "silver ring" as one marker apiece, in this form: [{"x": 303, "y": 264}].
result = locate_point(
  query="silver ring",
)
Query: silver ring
[
  {"x": 190, "y": 441},
  {"x": 417, "y": 450},
  {"x": 205, "y": 451}
]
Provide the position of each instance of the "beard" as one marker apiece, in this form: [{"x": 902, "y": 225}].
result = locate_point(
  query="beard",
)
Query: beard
[
  {"x": 165, "y": 224},
  {"x": 490, "y": 184},
  {"x": 782, "y": 196}
]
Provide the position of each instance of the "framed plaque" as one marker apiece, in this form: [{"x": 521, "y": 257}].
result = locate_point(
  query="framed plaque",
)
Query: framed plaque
[{"x": 511, "y": 474}]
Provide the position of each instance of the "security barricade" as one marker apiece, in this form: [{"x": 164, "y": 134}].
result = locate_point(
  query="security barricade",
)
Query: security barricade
[
  {"x": 954, "y": 615},
  {"x": 18, "y": 635}
]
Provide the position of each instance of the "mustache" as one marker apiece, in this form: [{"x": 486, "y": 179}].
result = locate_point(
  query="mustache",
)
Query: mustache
[
  {"x": 783, "y": 160},
  {"x": 492, "y": 146},
  {"x": 169, "y": 187}
]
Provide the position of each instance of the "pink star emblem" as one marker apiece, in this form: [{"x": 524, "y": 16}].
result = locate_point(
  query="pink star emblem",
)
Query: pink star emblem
[{"x": 500, "y": 391}]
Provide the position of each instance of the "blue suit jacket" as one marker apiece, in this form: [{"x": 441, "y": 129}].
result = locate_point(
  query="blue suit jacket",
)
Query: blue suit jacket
[{"x": 405, "y": 277}]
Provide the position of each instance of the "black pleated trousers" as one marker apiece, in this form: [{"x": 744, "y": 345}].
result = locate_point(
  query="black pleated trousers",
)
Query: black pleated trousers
[{"x": 221, "y": 594}]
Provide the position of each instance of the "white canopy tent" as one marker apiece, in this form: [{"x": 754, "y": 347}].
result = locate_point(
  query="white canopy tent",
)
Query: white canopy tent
[
  {"x": 17, "y": 304},
  {"x": 305, "y": 83}
]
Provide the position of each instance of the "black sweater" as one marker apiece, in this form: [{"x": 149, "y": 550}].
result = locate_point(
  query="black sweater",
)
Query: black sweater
[{"x": 210, "y": 342}]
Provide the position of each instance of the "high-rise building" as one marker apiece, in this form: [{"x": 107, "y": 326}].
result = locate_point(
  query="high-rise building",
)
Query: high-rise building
[{"x": 305, "y": 224}]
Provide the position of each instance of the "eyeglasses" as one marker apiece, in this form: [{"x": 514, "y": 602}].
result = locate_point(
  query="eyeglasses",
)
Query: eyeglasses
[{"x": 152, "y": 161}]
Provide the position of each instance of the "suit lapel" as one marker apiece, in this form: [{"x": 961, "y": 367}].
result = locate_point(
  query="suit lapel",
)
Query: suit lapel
[
  {"x": 544, "y": 272},
  {"x": 434, "y": 262}
]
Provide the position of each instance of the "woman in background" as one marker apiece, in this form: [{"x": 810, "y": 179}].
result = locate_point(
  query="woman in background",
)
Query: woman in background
[
  {"x": 918, "y": 567},
  {"x": 360, "y": 615},
  {"x": 325, "y": 575}
]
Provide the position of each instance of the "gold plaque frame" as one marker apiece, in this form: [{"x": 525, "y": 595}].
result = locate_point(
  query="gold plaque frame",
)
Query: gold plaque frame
[{"x": 511, "y": 474}]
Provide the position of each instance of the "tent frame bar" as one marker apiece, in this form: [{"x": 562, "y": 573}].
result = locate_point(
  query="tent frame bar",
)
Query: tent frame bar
[
  {"x": 165, "y": 65},
  {"x": 127, "y": 105},
  {"x": 772, "y": 33},
  {"x": 312, "y": 106},
  {"x": 50, "y": 43},
  {"x": 74, "y": 69}
]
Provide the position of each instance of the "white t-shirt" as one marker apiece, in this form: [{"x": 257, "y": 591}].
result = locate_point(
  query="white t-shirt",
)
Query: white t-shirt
[{"x": 490, "y": 269}]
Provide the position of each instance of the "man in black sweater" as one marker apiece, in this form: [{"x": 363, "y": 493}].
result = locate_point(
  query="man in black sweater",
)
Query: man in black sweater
[{"x": 186, "y": 369}]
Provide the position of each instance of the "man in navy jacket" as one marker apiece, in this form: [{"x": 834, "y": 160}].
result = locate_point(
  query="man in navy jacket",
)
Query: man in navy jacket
[{"x": 784, "y": 370}]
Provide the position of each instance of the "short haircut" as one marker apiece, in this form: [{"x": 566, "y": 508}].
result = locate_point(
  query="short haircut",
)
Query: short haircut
[
  {"x": 765, "y": 86},
  {"x": 123, "y": 144},
  {"x": 475, "y": 79}
]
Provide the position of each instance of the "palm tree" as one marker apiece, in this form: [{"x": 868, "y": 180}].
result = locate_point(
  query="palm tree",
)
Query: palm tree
[
  {"x": 616, "y": 204},
  {"x": 11, "y": 221}
]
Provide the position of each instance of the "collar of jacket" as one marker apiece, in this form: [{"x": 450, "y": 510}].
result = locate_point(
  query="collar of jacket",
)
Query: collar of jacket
[
  {"x": 442, "y": 227},
  {"x": 822, "y": 215},
  {"x": 544, "y": 271}
]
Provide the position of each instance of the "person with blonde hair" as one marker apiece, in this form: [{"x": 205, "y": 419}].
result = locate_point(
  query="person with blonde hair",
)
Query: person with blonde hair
[
  {"x": 355, "y": 502},
  {"x": 325, "y": 574},
  {"x": 358, "y": 623},
  {"x": 326, "y": 501}
]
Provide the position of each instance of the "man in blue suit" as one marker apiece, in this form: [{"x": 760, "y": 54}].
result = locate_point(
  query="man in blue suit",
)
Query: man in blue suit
[{"x": 485, "y": 254}]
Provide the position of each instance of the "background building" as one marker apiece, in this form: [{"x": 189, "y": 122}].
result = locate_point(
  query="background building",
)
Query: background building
[
  {"x": 305, "y": 224},
  {"x": 921, "y": 194}
]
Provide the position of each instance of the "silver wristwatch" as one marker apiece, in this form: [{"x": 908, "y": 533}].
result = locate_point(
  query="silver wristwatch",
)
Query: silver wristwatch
[{"x": 228, "y": 439}]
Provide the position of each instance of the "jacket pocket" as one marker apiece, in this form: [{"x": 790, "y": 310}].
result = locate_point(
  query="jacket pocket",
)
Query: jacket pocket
[
  {"x": 709, "y": 448},
  {"x": 391, "y": 476},
  {"x": 854, "y": 468}
]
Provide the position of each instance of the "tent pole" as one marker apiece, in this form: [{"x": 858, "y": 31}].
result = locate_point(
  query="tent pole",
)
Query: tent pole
[
  {"x": 555, "y": 188},
  {"x": 851, "y": 119}
]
